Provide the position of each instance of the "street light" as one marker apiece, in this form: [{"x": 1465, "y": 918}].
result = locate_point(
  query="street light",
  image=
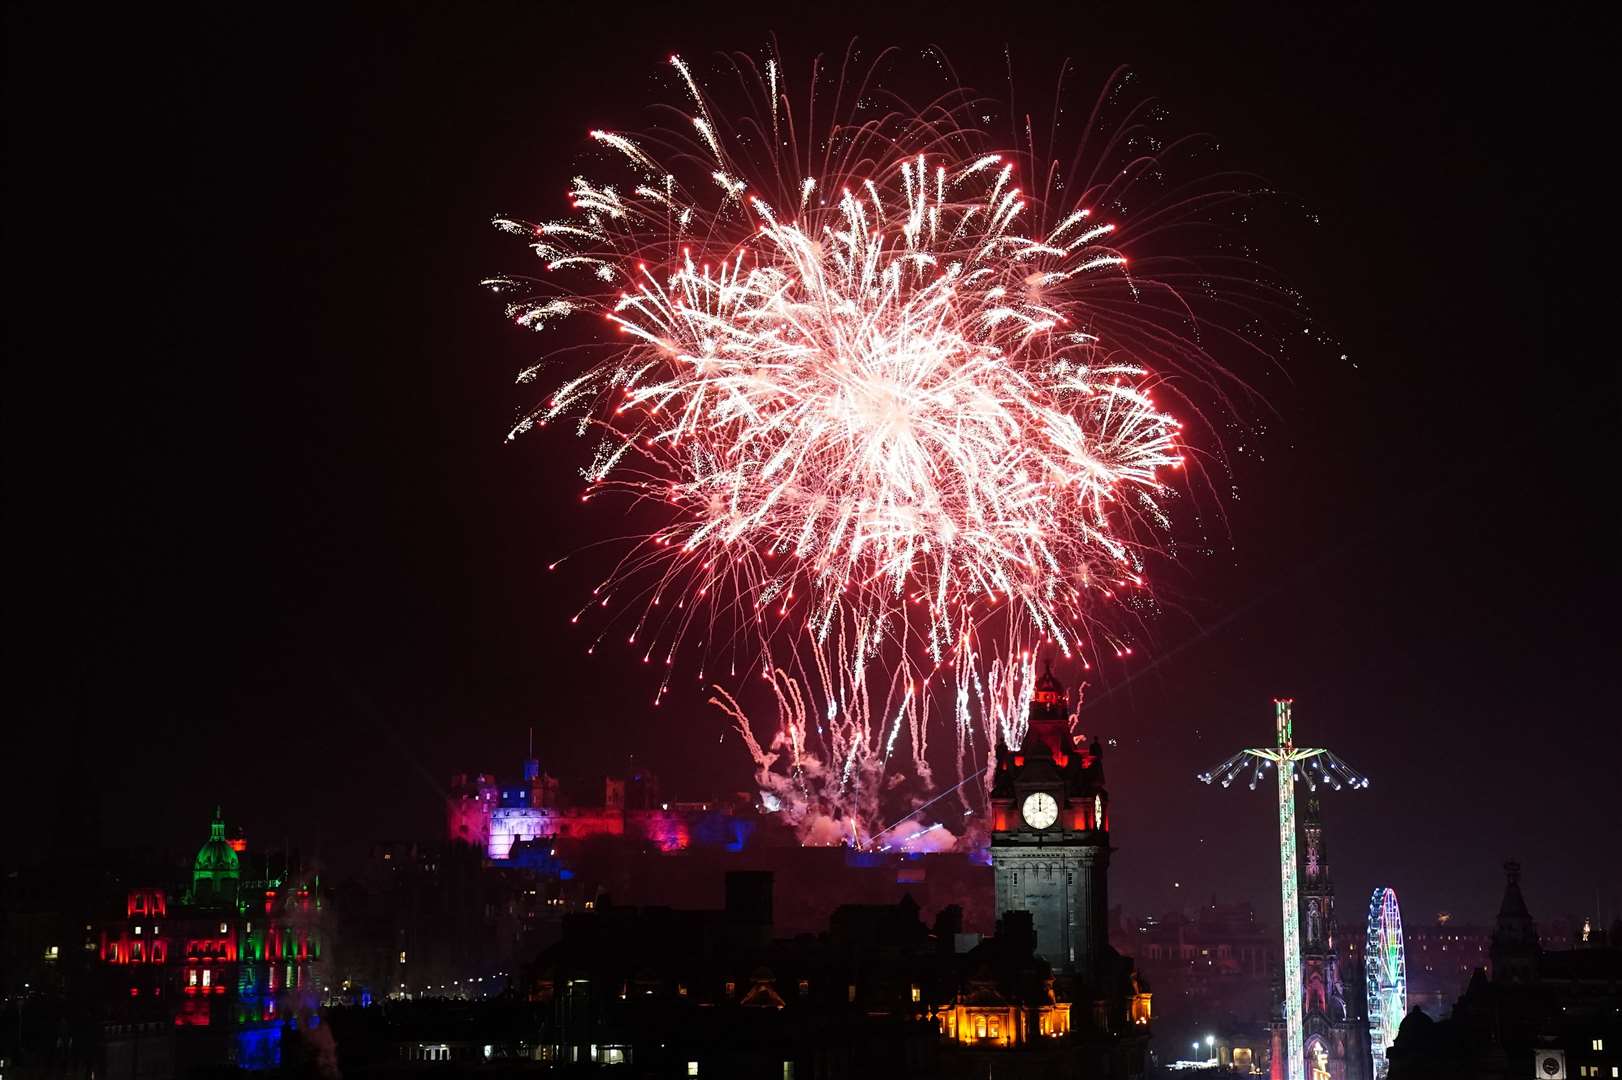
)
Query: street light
[{"x": 1210, "y": 1042}]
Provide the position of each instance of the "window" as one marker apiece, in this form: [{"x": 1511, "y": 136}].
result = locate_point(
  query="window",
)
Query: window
[
  {"x": 223, "y": 928},
  {"x": 1599, "y": 1044},
  {"x": 206, "y": 973},
  {"x": 916, "y": 994},
  {"x": 692, "y": 1068},
  {"x": 137, "y": 931},
  {"x": 996, "y": 1027},
  {"x": 850, "y": 992},
  {"x": 732, "y": 988},
  {"x": 788, "y": 1070},
  {"x": 979, "y": 1027}
]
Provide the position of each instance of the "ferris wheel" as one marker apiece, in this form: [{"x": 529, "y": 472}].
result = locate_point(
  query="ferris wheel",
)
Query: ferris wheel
[{"x": 1385, "y": 970}]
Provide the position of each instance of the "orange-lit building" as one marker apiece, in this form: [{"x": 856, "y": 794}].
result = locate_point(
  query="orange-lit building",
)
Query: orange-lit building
[{"x": 984, "y": 1016}]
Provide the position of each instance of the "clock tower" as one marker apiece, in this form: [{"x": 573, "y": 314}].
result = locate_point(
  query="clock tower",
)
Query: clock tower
[{"x": 1050, "y": 838}]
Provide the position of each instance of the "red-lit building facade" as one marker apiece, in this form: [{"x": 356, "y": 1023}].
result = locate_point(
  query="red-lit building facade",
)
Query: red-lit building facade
[{"x": 226, "y": 968}]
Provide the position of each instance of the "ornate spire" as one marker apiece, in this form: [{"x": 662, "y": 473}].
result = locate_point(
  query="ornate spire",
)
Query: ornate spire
[{"x": 1049, "y": 690}]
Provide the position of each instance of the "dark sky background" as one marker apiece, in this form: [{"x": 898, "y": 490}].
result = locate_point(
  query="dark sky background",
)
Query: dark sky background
[{"x": 272, "y": 552}]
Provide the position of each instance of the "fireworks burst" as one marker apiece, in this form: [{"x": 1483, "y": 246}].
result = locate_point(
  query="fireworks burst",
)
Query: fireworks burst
[{"x": 899, "y": 413}]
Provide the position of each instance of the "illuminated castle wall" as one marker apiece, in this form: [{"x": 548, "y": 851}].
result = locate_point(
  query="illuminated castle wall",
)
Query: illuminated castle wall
[{"x": 495, "y": 816}]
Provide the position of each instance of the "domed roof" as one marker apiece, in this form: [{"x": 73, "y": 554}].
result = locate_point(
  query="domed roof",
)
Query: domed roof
[{"x": 216, "y": 857}]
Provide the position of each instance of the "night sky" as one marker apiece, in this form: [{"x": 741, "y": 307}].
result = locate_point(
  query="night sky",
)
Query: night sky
[{"x": 271, "y": 550}]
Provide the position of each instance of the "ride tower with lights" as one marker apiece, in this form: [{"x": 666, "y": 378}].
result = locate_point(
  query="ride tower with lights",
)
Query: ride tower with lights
[{"x": 1285, "y": 757}]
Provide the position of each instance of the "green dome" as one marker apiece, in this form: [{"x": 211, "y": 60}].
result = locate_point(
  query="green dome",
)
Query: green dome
[{"x": 215, "y": 860}]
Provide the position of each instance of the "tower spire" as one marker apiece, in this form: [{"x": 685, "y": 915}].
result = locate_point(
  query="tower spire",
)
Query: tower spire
[{"x": 1514, "y": 950}]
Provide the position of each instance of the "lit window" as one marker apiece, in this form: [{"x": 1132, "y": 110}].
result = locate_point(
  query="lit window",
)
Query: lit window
[
  {"x": 917, "y": 995},
  {"x": 191, "y": 977},
  {"x": 1599, "y": 1044},
  {"x": 979, "y": 1027},
  {"x": 206, "y": 973},
  {"x": 692, "y": 1068},
  {"x": 137, "y": 930},
  {"x": 850, "y": 992},
  {"x": 222, "y": 928},
  {"x": 996, "y": 1028}
]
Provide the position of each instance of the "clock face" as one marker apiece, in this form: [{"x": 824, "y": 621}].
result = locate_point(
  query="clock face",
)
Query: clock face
[{"x": 1040, "y": 810}]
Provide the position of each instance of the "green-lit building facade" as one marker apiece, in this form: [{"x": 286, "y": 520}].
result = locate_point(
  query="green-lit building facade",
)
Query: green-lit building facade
[{"x": 223, "y": 972}]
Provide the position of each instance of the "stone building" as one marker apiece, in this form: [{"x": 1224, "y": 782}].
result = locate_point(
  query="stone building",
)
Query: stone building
[
  {"x": 1553, "y": 1013},
  {"x": 1333, "y": 1016},
  {"x": 219, "y": 974},
  {"x": 1050, "y": 851}
]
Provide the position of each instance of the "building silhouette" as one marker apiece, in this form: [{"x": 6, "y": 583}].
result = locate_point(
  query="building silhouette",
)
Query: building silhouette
[{"x": 1550, "y": 1013}]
